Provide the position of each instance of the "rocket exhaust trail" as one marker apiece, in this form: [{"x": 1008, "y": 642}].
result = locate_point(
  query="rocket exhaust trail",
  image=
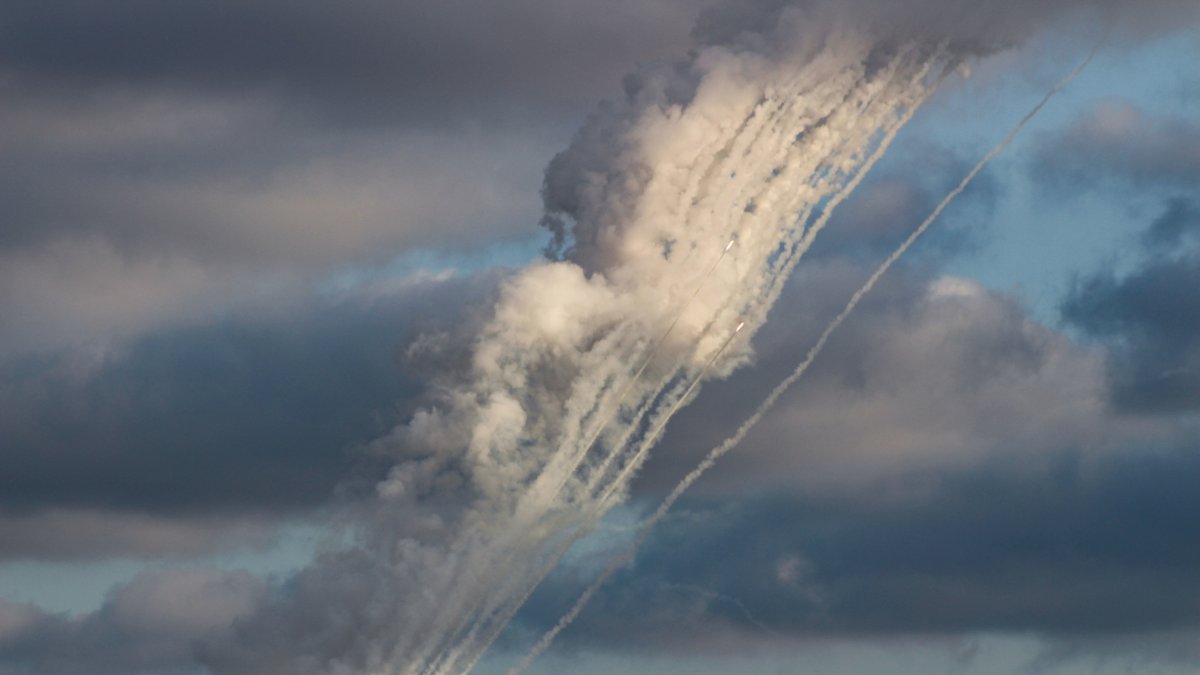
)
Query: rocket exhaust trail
[
  {"x": 646, "y": 362},
  {"x": 605, "y": 420},
  {"x": 636, "y": 460},
  {"x": 601, "y": 508},
  {"x": 890, "y": 131},
  {"x": 716, "y": 453},
  {"x": 841, "y": 106}
]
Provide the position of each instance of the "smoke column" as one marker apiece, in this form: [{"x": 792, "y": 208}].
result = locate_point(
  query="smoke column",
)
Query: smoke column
[
  {"x": 736, "y": 145},
  {"x": 565, "y": 388},
  {"x": 716, "y": 453}
]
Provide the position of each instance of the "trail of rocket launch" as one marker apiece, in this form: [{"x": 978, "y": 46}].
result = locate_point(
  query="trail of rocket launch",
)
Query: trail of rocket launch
[
  {"x": 836, "y": 143},
  {"x": 717, "y": 452},
  {"x": 804, "y": 136}
]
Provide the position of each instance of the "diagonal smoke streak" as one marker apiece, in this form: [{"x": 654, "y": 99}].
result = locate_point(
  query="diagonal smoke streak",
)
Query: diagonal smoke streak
[{"x": 716, "y": 453}]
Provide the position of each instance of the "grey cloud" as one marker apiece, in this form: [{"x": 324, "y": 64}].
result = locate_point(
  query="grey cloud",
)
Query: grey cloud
[
  {"x": 929, "y": 372},
  {"x": 149, "y": 626},
  {"x": 1117, "y": 140},
  {"x": 1149, "y": 318},
  {"x": 162, "y": 444},
  {"x": 96, "y": 250},
  {"x": 93, "y": 250},
  {"x": 1178, "y": 224},
  {"x": 160, "y": 158},
  {"x": 384, "y": 60},
  {"x": 1059, "y": 544},
  {"x": 899, "y": 194},
  {"x": 968, "y": 28}
]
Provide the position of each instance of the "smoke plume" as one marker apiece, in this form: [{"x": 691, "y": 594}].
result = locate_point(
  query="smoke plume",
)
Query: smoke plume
[{"x": 676, "y": 215}]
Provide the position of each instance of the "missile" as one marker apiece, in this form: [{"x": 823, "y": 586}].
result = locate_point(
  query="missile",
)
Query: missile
[
  {"x": 729, "y": 245},
  {"x": 739, "y": 328}
]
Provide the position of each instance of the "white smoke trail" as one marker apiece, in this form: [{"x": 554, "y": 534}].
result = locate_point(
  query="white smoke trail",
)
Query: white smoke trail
[
  {"x": 559, "y": 474},
  {"x": 716, "y": 453},
  {"x": 610, "y": 491},
  {"x": 838, "y": 137}
]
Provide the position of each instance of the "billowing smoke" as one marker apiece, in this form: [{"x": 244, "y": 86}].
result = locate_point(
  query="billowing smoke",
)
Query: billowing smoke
[
  {"x": 589, "y": 356},
  {"x": 677, "y": 213},
  {"x": 647, "y": 526}
]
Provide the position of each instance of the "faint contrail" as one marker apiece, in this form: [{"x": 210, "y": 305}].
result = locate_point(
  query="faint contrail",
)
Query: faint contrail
[
  {"x": 716, "y": 453},
  {"x": 846, "y": 122}
]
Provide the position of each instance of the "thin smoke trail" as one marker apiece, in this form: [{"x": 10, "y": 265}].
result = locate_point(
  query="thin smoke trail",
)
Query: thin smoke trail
[
  {"x": 716, "y": 453},
  {"x": 841, "y": 195},
  {"x": 849, "y": 112}
]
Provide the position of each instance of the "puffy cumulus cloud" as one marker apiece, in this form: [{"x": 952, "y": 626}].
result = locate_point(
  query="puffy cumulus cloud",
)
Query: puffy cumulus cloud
[
  {"x": 1115, "y": 139},
  {"x": 1150, "y": 316},
  {"x": 150, "y": 625},
  {"x": 1070, "y": 549},
  {"x": 930, "y": 371}
]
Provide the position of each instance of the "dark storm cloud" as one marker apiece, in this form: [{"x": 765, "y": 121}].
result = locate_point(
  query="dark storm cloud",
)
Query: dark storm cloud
[
  {"x": 929, "y": 371},
  {"x": 1060, "y": 545},
  {"x": 363, "y": 59},
  {"x": 1150, "y": 317},
  {"x": 975, "y": 28},
  {"x": 209, "y": 424}
]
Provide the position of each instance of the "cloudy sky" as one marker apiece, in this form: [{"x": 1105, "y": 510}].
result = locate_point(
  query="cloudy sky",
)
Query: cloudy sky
[{"x": 242, "y": 243}]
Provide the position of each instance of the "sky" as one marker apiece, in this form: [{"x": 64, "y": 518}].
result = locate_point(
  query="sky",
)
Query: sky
[{"x": 255, "y": 256}]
